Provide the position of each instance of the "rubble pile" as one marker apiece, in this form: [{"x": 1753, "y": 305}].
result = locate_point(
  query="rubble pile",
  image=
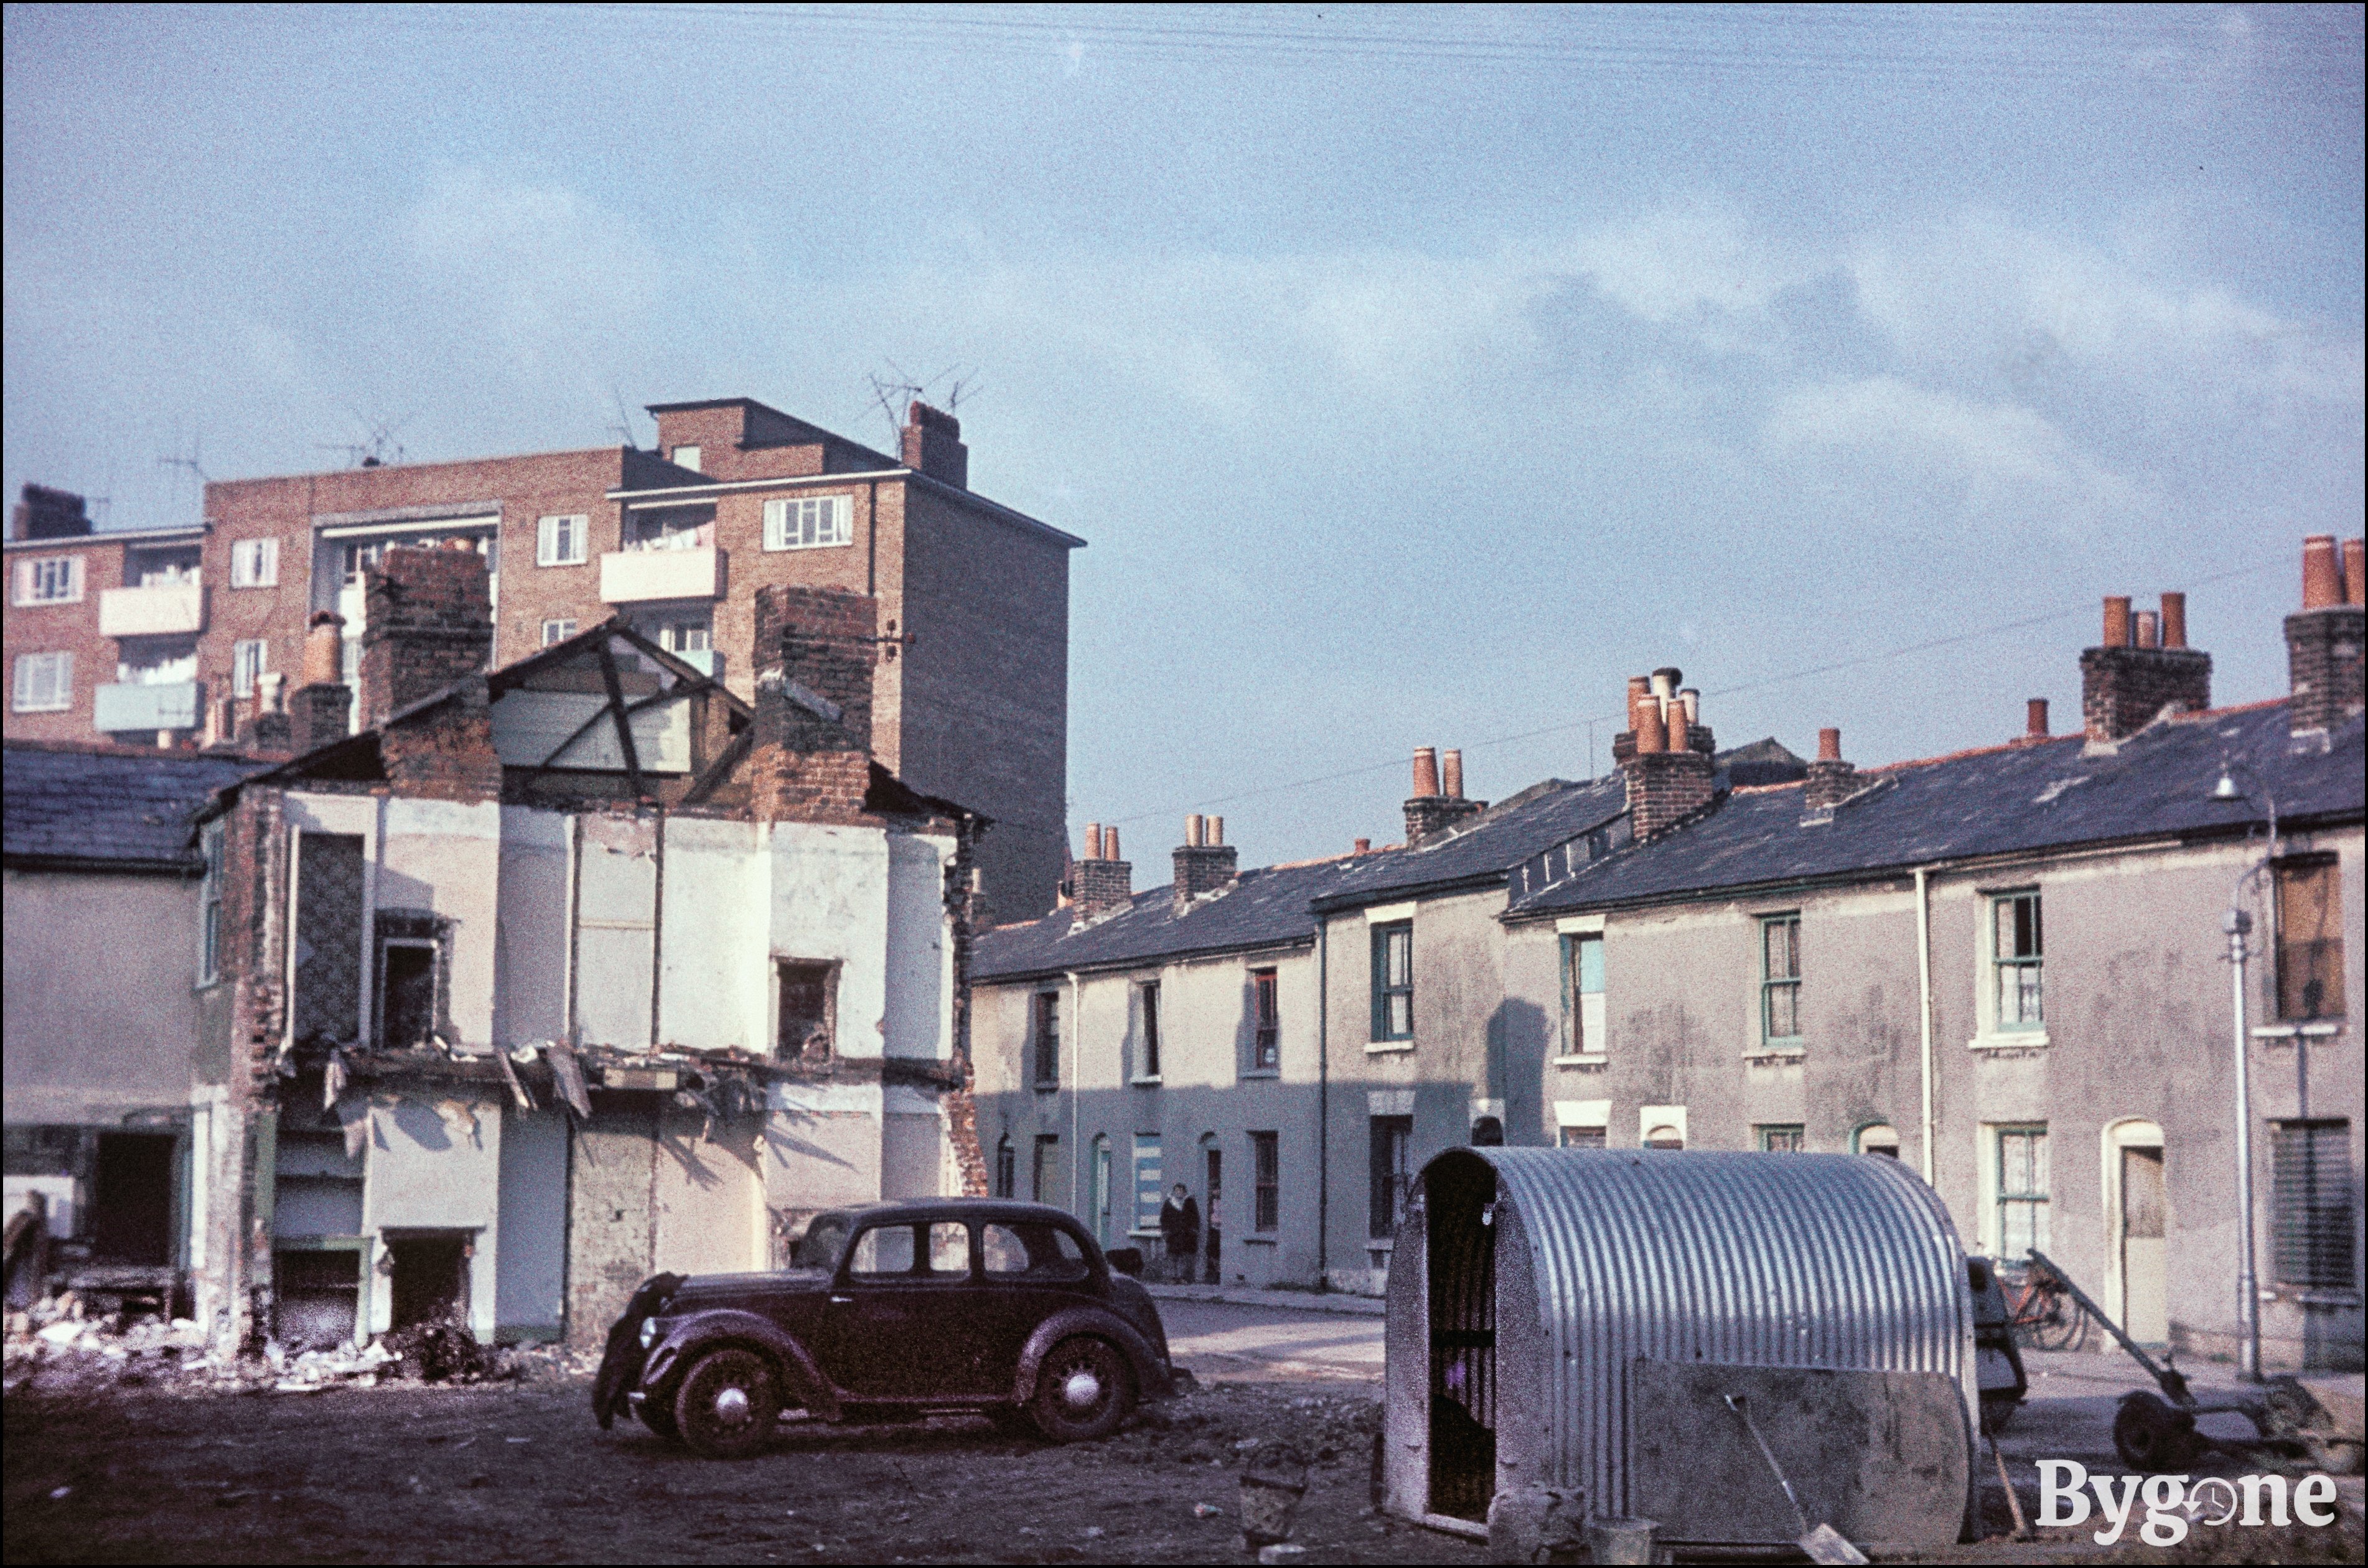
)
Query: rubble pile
[{"x": 55, "y": 1346}]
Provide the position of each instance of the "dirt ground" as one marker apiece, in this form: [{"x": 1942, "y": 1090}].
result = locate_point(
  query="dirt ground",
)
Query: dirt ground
[{"x": 519, "y": 1473}]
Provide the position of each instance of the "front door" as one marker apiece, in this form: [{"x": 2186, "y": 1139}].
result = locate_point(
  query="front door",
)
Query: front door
[
  {"x": 1029, "y": 1270},
  {"x": 2145, "y": 1306},
  {"x": 131, "y": 1221}
]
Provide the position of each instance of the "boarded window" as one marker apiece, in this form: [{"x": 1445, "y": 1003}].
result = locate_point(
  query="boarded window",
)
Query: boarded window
[
  {"x": 328, "y": 937},
  {"x": 809, "y": 1011},
  {"x": 2310, "y": 938},
  {"x": 2312, "y": 1224}
]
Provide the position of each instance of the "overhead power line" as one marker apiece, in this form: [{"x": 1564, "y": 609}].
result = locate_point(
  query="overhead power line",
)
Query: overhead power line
[{"x": 1905, "y": 651}]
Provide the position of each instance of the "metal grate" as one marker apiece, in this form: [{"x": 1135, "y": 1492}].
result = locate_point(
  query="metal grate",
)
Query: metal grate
[{"x": 2312, "y": 1227}]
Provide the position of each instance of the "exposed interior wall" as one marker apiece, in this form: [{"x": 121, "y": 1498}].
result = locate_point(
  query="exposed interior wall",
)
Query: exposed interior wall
[
  {"x": 713, "y": 987},
  {"x": 649, "y": 1193},
  {"x": 530, "y": 972},
  {"x": 531, "y": 1264},
  {"x": 616, "y": 905},
  {"x": 94, "y": 958},
  {"x": 434, "y": 1164},
  {"x": 444, "y": 856},
  {"x": 919, "y": 983},
  {"x": 829, "y": 901}
]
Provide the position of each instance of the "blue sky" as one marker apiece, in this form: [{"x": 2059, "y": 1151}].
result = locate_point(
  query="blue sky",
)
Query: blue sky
[{"x": 1416, "y": 376}]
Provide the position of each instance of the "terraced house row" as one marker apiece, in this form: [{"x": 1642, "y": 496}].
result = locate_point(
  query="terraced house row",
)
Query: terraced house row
[
  {"x": 2010, "y": 967},
  {"x": 159, "y": 636}
]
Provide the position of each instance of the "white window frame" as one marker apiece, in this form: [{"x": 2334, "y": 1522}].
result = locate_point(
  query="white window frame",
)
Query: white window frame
[
  {"x": 562, "y": 539},
  {"x": 27, "y": 588},
  {"x": 809, "y": 522},
  {"x": 1988, "y": 1034},
  {"x": 254, "y": 564},
  {"x": 250, "y": 658},
  {"x": 557, "y": 630},
  {"x": 42, "y": 683}
]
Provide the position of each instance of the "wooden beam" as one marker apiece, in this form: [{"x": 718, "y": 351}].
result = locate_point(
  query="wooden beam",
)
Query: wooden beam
[{"x": 624, "y": 721}]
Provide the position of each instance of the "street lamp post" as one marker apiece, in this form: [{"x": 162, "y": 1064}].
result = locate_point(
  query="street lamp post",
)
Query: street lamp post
[{"x": 2238, "y": 924}]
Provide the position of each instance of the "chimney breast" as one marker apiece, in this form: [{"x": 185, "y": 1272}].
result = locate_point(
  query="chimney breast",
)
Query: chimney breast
[
  {"x": 1200, "y": 868},
  {"x": 814, "y": 652},
  {"x": 2324, "y": 641},
  {"x": 1103, "y": 881},
  {"x": 1830, "y": 781},
  {"x": 2128, "y": 681},
  {"x": 427, "y": 621}
]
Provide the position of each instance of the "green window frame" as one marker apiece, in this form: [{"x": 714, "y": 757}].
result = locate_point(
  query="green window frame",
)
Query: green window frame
[
  {"x": 2016, "y": 955},
  {"x": 1780, "y": 978},
  {"x": 1393, "y": 980},
  {"x": 1048, "y": 1040},
  {"x": 1266, "y": 1043},
  {"x": 210, "y": 930},
  {"x": 1266, "y": 1160},
  {"x": 1781, "y": 1137},
  {"x": 2024, "y": 1183}
]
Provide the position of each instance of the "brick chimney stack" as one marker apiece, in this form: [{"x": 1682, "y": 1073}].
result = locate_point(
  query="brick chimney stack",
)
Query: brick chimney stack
[
  {"x": 2141, "y": 669},
  {"x": 1205, "y": 862},
  {"x": 1830, "y": 779},
  {"x": 1433, "y": 808},
  {"x": 322, "y": 710},
  {"x": 1103, "y": 881},
  {"x": 45, "y": 513},
  {"x": 1667, "y": 782},
  {"x": 428, "y": 620},
  {"x": 814, "y": 652},
  {"x": 2324, "y": 640},
  {"x": 933, "y": 445},
  {"x": 2034, "y": 719}
]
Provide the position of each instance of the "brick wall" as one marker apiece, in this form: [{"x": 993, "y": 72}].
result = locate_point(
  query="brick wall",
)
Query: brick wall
[
  {"x": 63, "y": 629},
  {"x": 2124, "y": 689},
  {"x": 812, "y": 757},
  {"x": 429, "y": 623},
  {"x": 1200, "y": 868},
  {"x": 2324, "y": 658},
  {"x": 1828, "y": 784},
  {"x": 1665, "y": 788},
  {"x": 1104, "y": 885},
  {"x": 1427, "y": 816}
]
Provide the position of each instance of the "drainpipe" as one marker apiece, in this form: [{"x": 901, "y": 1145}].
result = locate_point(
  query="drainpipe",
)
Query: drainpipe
[
  {"x": 1076, "y": 1076},
  {"x": 1924, "y": 1001},
  {"x": 1322, "y": 1103}
]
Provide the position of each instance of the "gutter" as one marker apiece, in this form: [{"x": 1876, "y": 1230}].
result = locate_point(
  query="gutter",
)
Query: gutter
[
  {"x": 1323, "y": 1105},
  {"x": 94, "y": 863}
]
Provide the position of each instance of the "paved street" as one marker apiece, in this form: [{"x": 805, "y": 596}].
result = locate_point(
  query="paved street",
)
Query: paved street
[{"x": 1224, "y": 1342}]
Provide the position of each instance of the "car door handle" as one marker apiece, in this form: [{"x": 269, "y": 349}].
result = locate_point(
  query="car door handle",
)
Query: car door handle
[{"x": 842, "y": 1301}]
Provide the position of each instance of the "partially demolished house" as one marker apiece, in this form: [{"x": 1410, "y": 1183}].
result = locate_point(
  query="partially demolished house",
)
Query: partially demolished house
[{"x": 544, "y": 979}]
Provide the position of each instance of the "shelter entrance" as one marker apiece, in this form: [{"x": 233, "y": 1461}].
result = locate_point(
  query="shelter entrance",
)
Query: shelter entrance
[
  {"x": 132, "y": 1218},
  {"x": 431, "y": 1277},
  {"x": 1461, "y": 1201}
]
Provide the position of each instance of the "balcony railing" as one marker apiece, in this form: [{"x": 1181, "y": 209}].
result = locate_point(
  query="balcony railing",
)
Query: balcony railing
[
  {"x": 167, "y": 610},
  {"x": 633, "y": 577},
  {"x": 125, "y": 706}
]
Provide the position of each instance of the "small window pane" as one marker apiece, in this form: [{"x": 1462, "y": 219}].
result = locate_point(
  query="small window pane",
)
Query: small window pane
[
  {"x": 885, "y": 1249},
  {"x": 949, "y": 1249},
  {"x": 1590, "y": 964},
  {"x": 1001, "y": 1250}
]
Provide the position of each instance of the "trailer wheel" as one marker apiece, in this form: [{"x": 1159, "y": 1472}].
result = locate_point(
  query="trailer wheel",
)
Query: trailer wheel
[{"x": 2153, "y": 1436}]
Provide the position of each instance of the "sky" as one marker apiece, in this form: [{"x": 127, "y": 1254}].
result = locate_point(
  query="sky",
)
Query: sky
[{"x": 1415, "y": 376}]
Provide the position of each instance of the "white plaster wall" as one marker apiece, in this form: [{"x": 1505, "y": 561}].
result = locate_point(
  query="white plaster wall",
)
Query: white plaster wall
[
  {"x": 822, "y": 1145},
  {"x": 446, "y": 855},
  {"x": 531, "y": 1264},
  {"x": 829, "y": 900},
  {"x": 714, "y": 975},
  {"x": 920, "y": 965},
  {"x": 530, "y": 968},
  {"x": 616, "y": 909},
  {"x": 436, "y": 1164}
]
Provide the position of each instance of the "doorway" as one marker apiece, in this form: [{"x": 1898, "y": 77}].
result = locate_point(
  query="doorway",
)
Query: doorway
[
  {"x": 431, "y": 1277},
  {"x": 2145, "y": 1278},
  {"x": 1462, "y": 1257},
  {"x": 131, "y": 1210},
  {"x": 1213, "y": 1220}
]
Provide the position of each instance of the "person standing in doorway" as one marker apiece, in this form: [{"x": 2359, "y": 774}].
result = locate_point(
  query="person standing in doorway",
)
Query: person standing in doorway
[{"x": 1179, "y": 1224}]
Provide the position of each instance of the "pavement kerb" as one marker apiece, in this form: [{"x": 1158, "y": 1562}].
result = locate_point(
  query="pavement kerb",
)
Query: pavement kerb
[{"x": 1333, "y": 1301}]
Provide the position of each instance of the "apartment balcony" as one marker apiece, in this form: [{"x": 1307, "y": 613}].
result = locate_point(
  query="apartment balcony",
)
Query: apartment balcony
[
  {"x": 169, "y": 609},
  {"x": 637, "y": 577},
  {"x": 123, "y": 706},
  {"x": 708, "y": 661}
]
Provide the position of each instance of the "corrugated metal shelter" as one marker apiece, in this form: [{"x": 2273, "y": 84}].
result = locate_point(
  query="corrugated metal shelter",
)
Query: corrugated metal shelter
[{"x": 1575, "y": 1318}]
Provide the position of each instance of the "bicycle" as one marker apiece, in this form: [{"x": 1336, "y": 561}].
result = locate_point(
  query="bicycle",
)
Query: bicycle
[{"x": 2039, "y": 1313}]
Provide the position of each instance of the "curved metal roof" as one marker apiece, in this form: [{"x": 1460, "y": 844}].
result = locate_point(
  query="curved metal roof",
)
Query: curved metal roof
[{"x": 1842, "y": 1261}]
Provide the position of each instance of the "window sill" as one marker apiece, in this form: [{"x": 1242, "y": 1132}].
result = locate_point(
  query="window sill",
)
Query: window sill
[
  {"x": 1381, "y": 1244},
  {"x": 1778, "y": 1050},
  {"x": 1045, "y": 1088},
  {"x": 1249, "y": 1073},
  {"x": 2032, "y": 1038},
  {"x": 1585, "y": 1059},
  {"x": 1389, "y": 1048},
  {"x": 1265, "y": 1240},
  {"x": 2306, "y": 1028},
  {"x": 1146, "y": 1081}
]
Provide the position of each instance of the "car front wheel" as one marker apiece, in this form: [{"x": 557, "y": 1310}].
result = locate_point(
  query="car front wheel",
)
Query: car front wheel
[
  {"x": 728, "y": 1403},
  {"x": 1082, "y": 1391}
]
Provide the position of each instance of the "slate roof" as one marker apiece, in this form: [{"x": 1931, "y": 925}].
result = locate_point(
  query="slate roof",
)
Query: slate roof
[
  {"x": 1489, "y": 846},
  {"x": 2000, "y": 801},
  {"x": 67, "y": 806},
  {"x": 1266, "y": 906}
]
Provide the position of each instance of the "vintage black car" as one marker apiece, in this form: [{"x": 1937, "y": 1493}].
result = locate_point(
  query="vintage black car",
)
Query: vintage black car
[{"x": 890, "y": 1311}]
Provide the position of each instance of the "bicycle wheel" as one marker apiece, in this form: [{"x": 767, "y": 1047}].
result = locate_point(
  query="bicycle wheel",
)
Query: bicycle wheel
[{"x": 2061, "y": 1325}]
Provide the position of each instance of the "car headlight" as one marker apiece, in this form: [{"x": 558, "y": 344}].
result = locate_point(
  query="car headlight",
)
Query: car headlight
[{"x": 648, "y": 1332}]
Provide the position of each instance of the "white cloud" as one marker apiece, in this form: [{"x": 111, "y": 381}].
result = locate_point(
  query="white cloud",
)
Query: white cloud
[
  {"x": 1691, "y": 262},
  {"x": 1992, "y": 446}
]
